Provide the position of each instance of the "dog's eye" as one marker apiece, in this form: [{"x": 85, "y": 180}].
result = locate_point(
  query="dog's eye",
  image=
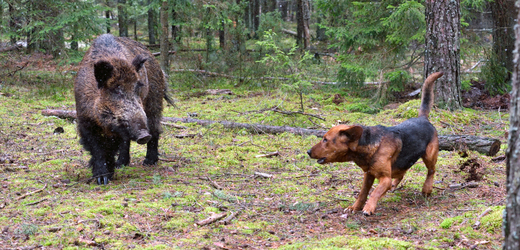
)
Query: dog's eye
[{"x": 324, "y": 140}]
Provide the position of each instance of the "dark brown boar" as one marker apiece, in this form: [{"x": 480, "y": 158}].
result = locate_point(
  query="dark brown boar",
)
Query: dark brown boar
[{"x": 119, "y": 91}]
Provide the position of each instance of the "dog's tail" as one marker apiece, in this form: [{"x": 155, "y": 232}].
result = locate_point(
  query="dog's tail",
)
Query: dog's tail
[{"x": 427, "y": 94}]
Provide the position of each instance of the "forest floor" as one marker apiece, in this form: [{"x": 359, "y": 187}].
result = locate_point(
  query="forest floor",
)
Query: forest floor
[{"x": 287, "y": 201}]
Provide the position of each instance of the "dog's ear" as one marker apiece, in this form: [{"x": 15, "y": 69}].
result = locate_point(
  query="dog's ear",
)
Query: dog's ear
[{"x": 353, "y": 134}]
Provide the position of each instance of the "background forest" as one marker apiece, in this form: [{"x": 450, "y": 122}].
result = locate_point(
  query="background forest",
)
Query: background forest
[{"x": 299, "y": 63}]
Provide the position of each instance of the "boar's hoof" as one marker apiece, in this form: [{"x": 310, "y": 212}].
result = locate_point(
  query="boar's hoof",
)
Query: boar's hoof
[
  {"x": 102, "y": 180},
  {"x": 143, "y": 137},
  {"x": 149, "y": 162}
]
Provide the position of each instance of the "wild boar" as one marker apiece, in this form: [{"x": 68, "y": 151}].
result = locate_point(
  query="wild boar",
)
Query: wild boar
[{"x": 119, "y": 93}]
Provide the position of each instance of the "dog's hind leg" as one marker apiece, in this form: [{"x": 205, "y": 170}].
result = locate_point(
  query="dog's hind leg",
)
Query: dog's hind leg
[{"x": 430, "y": 159}]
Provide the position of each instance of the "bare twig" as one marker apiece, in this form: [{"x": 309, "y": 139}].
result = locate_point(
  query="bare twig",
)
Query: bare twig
[
  {"x": 31, "y": 193},
  {"x": 268, "y": 155},
  {"x": 211, "y": 219},
  {"x": 36, "y": 202},
  {"x": 263, "y": 175}
]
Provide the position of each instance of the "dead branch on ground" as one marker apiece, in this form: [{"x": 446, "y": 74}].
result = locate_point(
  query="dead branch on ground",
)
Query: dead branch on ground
[{"x": 483, "y": 145}]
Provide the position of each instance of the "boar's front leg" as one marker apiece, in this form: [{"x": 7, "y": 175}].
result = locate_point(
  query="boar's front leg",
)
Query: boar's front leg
[{"x": 102, "y": 151}]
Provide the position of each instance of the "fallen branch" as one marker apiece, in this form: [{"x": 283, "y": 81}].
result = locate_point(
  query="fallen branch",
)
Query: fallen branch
[
  {"x": 211, "y": 219},
  {"x": 289, "y": 32},
  {"x": 16, "y": 70},
  {"x": 14, "y": 47},
  {"x": 470, "y": 184},
  {"x": 268, "y": 155},
  {"x": 36, "y": 202},
  {"x": 263, "y": 175},
  {"x": 483, "y": 145},
  {"x": 31, "y": 193},
  {"x": 159, "y": 53},
  {"x": 230, "y": 217},
  {"x": 477, "y": 223},
  {"x": 214, "y": 74}
]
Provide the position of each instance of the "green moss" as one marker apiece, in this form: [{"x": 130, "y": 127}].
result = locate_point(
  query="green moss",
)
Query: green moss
[
  {"x": 352, "y": 242},
  {"x": 448, "y": 222},
  {"x": 492, "y": 222}
]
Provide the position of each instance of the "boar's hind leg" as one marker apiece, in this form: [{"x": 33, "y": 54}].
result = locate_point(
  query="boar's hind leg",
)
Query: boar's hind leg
[
  {"x": 124, "y": 154},
  {"x": 152, "y": 152}
]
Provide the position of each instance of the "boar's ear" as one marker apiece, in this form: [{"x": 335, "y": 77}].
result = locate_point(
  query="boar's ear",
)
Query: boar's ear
[
  {"x": 138, "y": 62},
  {"x": 103, "y": 71}
]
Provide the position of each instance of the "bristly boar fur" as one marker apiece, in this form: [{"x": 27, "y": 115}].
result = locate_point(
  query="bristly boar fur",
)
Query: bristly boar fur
[{"x": 119, "y": 93}]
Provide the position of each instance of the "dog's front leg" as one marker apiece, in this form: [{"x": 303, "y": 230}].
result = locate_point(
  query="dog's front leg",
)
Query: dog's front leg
[
  {"x": 385, "y": 184},
  {"x": 368, "y": 181}
]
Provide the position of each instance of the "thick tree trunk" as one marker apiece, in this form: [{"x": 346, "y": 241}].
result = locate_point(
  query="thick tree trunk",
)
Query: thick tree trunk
[
  {"x": 165, "y": 62},
  {"x": 504, "y": 14},
  {"x": 151, "y": 24},
  {"x": 442, "y": 51},
  {"x": 511, "y": 223},
  {"x": 122, "y": 18},
  {"x": 483, "y": 145}
]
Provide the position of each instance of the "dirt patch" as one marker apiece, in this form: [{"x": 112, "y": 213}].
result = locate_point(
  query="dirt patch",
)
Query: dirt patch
[
  {"x": 474, "y": 169},
  {"x": 338, "y": 99},
  {"x": 477, "y": 97}
]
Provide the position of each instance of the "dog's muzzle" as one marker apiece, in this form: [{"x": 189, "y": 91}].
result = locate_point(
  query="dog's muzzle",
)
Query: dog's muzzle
[{"x": 320, "y": 161}]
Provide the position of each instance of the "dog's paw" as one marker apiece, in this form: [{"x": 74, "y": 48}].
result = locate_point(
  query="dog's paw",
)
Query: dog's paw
[
  {"x": 369, "y": 210},
  {"x": 367, "y": 213}
]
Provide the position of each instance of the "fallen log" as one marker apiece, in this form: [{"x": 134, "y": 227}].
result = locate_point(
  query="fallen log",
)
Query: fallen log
[
  {"x": 483, "y": 145},
  {"x": 289, "y": 32}
]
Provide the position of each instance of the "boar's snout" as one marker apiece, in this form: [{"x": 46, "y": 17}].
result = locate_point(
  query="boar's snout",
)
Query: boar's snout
[{"x": 143, "y": 136}]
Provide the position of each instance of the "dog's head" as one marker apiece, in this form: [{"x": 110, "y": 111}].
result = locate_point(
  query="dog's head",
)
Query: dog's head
[{"x": 336, "y": 144}]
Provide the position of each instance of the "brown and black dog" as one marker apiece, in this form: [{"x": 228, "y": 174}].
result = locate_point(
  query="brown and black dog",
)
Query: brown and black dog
[{"x": 384, "y": 153}]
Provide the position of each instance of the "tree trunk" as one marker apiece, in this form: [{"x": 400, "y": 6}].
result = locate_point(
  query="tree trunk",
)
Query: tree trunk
[
  {"x": 442, "y": 51},
  {"x": 504, "y": 13},
  {"x": 222, "y": 36},
  {"x": 122, "y": 18},
  {"x": 256, "y": 15},
  {"x": 270, "y": 5},
  {"x": 107, "y": 16},
  {"x": 12, "y": 22},
  {"x": 175, "y": 29},
  {"x": 151, "y": 24},
  {"x": 320, "y": 32},
  {"x": 511, "y": 222},
  {"x": 165, "y": 62},
  {"x": 135, "y": 28},
  {"x": 283, "y": 6},
  {"x": 303, "y": 17}
]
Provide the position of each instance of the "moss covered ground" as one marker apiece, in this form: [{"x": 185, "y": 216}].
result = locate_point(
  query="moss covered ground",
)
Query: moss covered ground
[{"x": 47, "y": 199}]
